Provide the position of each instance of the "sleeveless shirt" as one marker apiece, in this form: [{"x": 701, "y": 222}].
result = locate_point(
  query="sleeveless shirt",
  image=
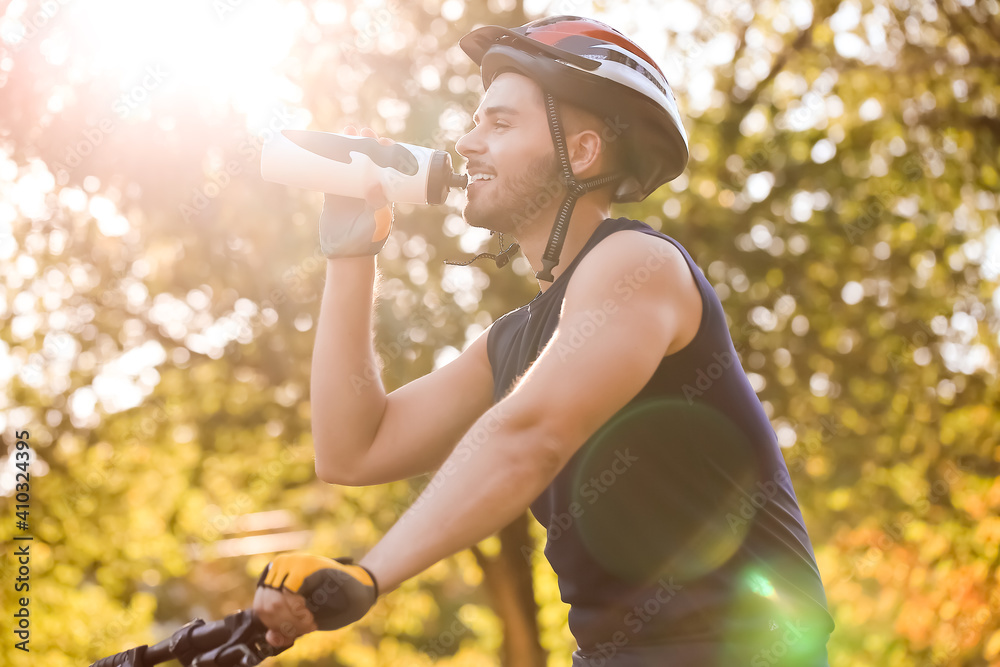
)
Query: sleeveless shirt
[{"x": 674, "y": 530}]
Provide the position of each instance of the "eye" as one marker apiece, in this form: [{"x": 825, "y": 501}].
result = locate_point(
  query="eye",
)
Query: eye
[{"x": 501, "y": 124}]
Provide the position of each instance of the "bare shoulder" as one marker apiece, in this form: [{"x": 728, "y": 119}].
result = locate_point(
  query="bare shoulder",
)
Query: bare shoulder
[
  {"x": 631, "y": 269},
  {"x": 634, "y": 250}
]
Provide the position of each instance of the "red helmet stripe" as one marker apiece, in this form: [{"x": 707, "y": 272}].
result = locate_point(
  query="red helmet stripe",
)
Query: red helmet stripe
[{"x": 553, "y": 33}]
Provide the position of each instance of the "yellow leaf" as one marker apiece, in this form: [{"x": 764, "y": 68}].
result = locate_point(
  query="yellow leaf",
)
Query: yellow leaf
[{"x": 992, "y": 646}]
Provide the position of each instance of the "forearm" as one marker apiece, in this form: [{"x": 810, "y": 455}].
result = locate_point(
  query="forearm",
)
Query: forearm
[
  {"x": 346, "y": 393},
  {"x": 491, "y": 477}
]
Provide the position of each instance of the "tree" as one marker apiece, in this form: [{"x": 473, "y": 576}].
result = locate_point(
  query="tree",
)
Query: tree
[{"x": 158, "y": 301}]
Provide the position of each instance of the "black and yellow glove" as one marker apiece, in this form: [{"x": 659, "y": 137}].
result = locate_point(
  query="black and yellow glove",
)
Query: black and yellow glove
[
  {"x": 337, "y": 592},
  {"x": 350, "y": 227}
]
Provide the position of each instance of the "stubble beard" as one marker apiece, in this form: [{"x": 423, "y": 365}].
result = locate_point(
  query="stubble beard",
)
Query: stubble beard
[{"x": 509, "y": 208}]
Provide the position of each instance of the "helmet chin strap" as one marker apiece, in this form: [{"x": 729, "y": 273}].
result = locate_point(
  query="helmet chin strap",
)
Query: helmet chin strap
[
  {"x": 501, "y": 258},
  {"x": 574, "y": 190}
]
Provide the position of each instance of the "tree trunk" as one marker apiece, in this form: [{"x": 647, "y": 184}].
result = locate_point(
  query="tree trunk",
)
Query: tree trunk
[{"x": 509, "y": 581}]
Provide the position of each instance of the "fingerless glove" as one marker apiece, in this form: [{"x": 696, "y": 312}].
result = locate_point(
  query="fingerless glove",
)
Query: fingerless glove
[
  {"x": 350, "y": 227},
  {"x": 337, "y": 592}
]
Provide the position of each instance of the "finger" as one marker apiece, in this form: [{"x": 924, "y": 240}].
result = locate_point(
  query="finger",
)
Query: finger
[
  {"x": 275, "y": 638},
  {"x": 368, "y": 132},
  {"x": 284, "y": 612},
  {"x": 383, "y": 221},
  {"x": 267, "y": 605},
  {"x": 289, "y": 629},
  {"x": 296, "y": 619},
  {"x": 376, "y": 196},
  {"x": 304, "y": 621},
  {"x": 386, "y": 141},
  {"x": 351, "y": 130}
]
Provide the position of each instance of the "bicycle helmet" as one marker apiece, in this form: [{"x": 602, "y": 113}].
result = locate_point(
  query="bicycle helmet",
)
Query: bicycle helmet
[{"x": 595, "y": 67}]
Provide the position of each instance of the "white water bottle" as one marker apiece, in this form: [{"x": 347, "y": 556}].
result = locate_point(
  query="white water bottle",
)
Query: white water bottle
[{"x": 347, "y": 165}]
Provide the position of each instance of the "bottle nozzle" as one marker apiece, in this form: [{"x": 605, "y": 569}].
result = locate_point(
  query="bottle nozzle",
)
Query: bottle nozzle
[{"x": 440, "y": 178}]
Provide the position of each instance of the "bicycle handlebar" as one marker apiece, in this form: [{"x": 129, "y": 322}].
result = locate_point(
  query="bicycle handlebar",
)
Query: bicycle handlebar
[{"x": 234, "y": 641}]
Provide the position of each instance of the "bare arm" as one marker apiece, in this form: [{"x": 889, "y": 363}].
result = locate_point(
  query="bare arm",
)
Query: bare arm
[
  {"x": 514, "y": 451},
  {"x": 361, "y": 435},
  {"x": 346, "y": 393}
]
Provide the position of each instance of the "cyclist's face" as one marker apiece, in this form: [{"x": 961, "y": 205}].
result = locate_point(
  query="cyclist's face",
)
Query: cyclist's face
[{"x": 512, "y": 146}]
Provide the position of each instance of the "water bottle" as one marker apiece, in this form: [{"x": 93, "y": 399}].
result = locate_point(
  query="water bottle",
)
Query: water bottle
[{"x": 347, "y": 165}]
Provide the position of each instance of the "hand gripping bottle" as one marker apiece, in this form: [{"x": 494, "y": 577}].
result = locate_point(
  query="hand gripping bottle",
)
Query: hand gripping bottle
[{"x": 346, "y": 165}]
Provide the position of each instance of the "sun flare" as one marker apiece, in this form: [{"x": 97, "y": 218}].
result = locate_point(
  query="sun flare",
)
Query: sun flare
[{"x": 221, "y": 51}]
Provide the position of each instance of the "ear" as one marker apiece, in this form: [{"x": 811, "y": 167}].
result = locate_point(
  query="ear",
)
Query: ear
[{"x": 584, "y": 149}]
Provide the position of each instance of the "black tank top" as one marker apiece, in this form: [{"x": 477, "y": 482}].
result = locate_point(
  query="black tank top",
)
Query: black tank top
[{"x": 675, "y": 525}]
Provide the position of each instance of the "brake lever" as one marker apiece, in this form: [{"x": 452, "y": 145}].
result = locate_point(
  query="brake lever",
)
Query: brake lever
[{"x": 245, "y": 647}]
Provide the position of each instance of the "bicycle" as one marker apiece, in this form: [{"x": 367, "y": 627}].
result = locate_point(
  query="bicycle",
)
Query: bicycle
[{"x": 234, "y": 641}]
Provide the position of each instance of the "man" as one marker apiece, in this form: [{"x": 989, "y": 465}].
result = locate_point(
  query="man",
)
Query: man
[{"x": 613, "y": 404}]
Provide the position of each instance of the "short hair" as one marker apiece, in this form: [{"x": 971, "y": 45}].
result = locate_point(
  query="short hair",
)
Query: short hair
[
  {"x": 614, "y": 156},
  {"x": 577, "y": 119}
]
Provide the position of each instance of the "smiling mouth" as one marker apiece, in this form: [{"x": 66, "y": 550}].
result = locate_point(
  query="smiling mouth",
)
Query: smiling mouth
[
  {"x": 477, "y": 183},
  {"x": 477, "y": 174}
]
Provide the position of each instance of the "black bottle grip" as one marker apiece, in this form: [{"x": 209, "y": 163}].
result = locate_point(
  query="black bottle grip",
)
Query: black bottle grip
[{"x": 339, "y": 147}]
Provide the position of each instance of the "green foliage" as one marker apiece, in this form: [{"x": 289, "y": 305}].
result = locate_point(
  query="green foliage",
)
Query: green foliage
[{"x": 841, "y": 196}]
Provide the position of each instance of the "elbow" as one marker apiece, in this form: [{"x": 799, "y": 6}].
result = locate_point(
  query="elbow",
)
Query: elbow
[
  {"x": 333, "y": 467},
  {"x": 339, "y": 474},
  {"x": 328, "y": 474},
  {"x": 341, "y": 455}
]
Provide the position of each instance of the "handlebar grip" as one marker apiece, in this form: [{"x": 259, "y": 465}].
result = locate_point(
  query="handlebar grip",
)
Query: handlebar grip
[
  {"x": 134, "y": 657},
  {"x": 236, "y": 640}
]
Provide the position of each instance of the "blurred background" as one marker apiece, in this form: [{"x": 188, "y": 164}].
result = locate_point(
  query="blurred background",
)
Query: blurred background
[{"x": 158, "y": 300}]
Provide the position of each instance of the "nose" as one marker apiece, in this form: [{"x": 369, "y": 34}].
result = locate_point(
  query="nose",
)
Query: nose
[{"x": 469, "y": 144}]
